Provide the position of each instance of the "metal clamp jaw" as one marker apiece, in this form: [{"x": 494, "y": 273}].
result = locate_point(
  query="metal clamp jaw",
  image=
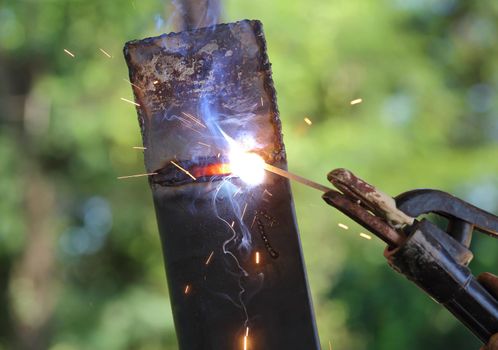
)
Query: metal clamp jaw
[{"x": 435, "y": 259}]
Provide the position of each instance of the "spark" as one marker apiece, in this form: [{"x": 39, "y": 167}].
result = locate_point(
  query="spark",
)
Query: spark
[
  {"x": 196, "y": 120},
  {"x": 155, "y": 82},
  {"x": 308, "y": 121},
  {"x": 261, "y": 101},
  {"x": 364, "y": 235},
  {"x": 257, "y": 258},
  {"x": 330, "y": 345},
  {"x": 237, "y": 192},
  {"x": 191, "y": 128},
  {"x": 188, "y": 125},
  {"x": 267, "y": 192},
  {"x": 132, "y": 102},
  {"x": 69, "y": 53},
  {"x": 105, "y": 52},
  {"x": 183, "y": 120},
  {"x": 184, "y": 170},
  {"x": 233, "y": 223},
  {"x": 139, "y": 147},
  {"x": 137, "y": 175},
  {"x": 204, "y": 144},
  {"x": 253, "y": 221},
  {"x": 208, "y": 260},
  {"x": 135, "y": 85},
  {"x": 356, "y": 101},
  {"x": 187, "y": 289},
  {"x": 243, "y": 212},
  {"x": 245, "y": 338},
  {"x": 343, "y": 226}
]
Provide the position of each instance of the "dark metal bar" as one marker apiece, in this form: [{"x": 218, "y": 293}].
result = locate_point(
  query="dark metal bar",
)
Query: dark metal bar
[{"x": 232, "y": 252}]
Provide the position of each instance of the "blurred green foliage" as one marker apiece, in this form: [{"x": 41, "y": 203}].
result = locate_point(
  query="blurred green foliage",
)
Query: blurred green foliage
[{"x": 85, "y": 271}]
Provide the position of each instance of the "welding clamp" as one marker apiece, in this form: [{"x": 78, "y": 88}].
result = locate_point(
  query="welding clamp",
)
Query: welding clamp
[{"x": 435, "y": 259}]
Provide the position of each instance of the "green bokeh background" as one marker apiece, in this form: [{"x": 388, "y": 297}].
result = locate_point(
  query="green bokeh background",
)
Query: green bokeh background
[{"x": 80, "y": 259}]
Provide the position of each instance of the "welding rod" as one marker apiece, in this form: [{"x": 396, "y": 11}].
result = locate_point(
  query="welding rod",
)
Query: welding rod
[
  {"x": 376, "y": 225},
  {"x": 297, "y": 178}
]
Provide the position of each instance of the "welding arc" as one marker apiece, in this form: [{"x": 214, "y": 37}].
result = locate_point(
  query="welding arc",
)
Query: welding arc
[{"x": 296, "y": 178}]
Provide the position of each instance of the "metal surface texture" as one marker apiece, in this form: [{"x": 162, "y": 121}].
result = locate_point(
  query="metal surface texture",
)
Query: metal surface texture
[{"x": 233, "y": 259}]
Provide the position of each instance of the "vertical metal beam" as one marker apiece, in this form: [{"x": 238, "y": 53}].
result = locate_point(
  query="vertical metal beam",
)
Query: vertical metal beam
[{"x": 232, "y": 252}]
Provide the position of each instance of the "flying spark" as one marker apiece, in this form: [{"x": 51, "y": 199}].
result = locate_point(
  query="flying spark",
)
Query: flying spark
[
  {"x": 191, "y": 117},
  {"x": 237, "y": 192},
  {"x": 69, "y": 53},
  {"x": 243, "y": 212},
  {"x": 184, "y": 170},
  {"x": 105, "y": 53},
  {"x": 187, "y": 289},
  {"x": 132, "y": 102},
  {"x": 233, "y": 223},
  {"x": 204, "y": 144},
  {"x": 257, "y": 258},
  {"x": 208, "y": 260},
  {"x": 343, "y": 226},
  {"x": 261, "y": 101},
  {"x": 191, "y": 128},
  {"x": 135, "y": 85},
  {"x": 253, "y": 221},
  {"x": 245, "y": 338},
  {"x": 364, "y": 235},
  {"x": 308, "y": 121},
  {"x": 330, "y": 345},
  {"x": 357, "y": 101},
  {"x": 155, "y": 82},
  {"x": 137, "y": 175},
  {"x": 139, "y": 147}
]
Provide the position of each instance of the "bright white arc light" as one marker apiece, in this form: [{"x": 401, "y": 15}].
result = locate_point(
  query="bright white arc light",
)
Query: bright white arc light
[{"x": 249, "y": 167}]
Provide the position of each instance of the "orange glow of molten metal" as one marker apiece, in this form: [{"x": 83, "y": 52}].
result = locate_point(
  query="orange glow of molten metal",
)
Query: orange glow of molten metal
[
  {"x": 249, "y": 167},
  {"x": 212, "y": 170}
]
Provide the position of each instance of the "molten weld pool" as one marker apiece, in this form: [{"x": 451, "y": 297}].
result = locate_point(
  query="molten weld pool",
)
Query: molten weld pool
[{"x": 209, "y": 122}]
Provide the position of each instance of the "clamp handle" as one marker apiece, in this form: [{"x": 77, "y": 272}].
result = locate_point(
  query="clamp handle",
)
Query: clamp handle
[
  {"x": 431, "y": 260},
  {"x": 460, "y": 293},
  {"x": 463, "y": 217}
]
